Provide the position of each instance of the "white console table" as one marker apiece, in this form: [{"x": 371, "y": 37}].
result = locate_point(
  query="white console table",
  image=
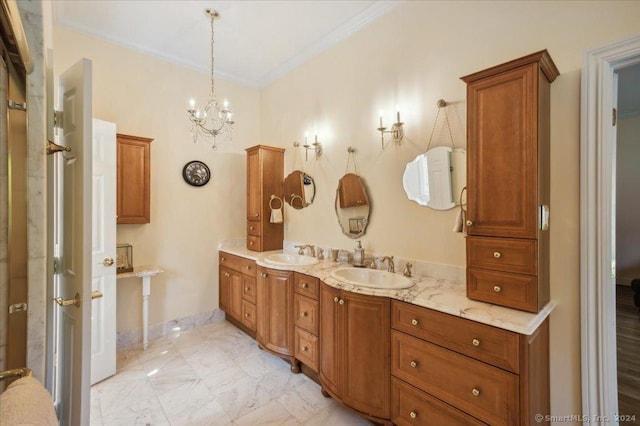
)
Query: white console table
[{"x": 144, "y": 272}]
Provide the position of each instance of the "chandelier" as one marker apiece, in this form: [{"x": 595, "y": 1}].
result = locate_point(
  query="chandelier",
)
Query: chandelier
[{"x": 213, "y": 119}]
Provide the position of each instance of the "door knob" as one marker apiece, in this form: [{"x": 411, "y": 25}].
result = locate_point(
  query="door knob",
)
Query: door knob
[
  {"x": 108, "y": 261},
  {"x": 96, "y": 294},
  {"x": 68, "y": 302}
]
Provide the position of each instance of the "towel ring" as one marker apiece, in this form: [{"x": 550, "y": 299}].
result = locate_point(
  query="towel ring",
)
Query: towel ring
[
  {"x": 273, "y": 197},
  {"x": 294, "y": 196}
]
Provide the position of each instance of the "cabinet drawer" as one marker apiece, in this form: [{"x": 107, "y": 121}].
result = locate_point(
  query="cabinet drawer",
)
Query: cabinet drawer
[
  {"x": 307, "y": 286},
  {"x": 249, "y": 315},
  {"x": 254, "y": 243},
  {"x": 306, "y": 313},
  {"x": 249, "y": 289},
  {"x": 410, "y": 406},
  {"x": 489, "y": 344},
  {"x": 253, "y": 228},
  {"x": 485, "y": 392},
  {"x": 237, "y": 263},
  {"x": 504, "y": 289},
  {"x": 306, "y": 348},
  {"x": 503, "y": 254}
]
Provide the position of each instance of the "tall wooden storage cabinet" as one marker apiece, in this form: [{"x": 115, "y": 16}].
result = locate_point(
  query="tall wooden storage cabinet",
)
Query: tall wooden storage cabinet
[
  {"x": 265, "y": 174},
  {"x": 508, "y": 182},
  {"x": 133, "y": 179}
]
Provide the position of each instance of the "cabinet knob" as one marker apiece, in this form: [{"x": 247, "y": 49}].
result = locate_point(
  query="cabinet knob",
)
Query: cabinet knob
[
  {"x": 469, "y": 223},
  {"x": 413, "y": 364},
  {"x": 256, "y": 215},
  {"x": 304, "y": 349},
  {"x": 475, "y": 342},
  {"x": 223, "y": 259},
  {"x": 263, "y": 275},
  {"x": 336, "y": 299},
  {"x": 247, "y": 315},
  {"x": 305, "y": 285},
  {"x": 414, "y": 322},
  {"x": 497, "y": 254},
  {"x": 251, "y": 228},
  {"x": 497, "y": 288},
  {"x": 226, "y": 274},
  {"x": 304, "y": 314},
  {"x": 248, "y": 268},
  {"x": 475, "y": 392},
  {"x": 250, "y": 243},
  {"x": 246, "y": 289},
  {"x": 413, "y": 414},
  {"x": 341, "y": 302}
]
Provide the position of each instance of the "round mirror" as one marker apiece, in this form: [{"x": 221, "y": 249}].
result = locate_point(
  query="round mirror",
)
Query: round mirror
[
  {"x": 299, "y": 189},
  {"x": 352, "y": 205},
  {"x": 436, "y": 177}
]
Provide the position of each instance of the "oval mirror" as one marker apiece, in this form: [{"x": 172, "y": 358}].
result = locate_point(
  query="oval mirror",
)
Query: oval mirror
[
  {"x": 352, "y": 205},
  {"x": 299, "y": 189},
  {"x": 436, "y": 177}
]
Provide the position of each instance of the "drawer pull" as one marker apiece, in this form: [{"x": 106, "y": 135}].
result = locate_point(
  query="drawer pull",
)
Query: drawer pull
[
  {"x": 250, "y": 243},
  {"x": 247, "y": 315},
  {"x": 497, "y": 288},
  {"x": 414, "y": 322},
  {"x": 248, "y": 268},
  {"x": 256, "y": 215},
  {"x": 304, "y": 314},
  {"x": 497, "y": 254},
  {"x": 304, "y": 349},
  {"x": 226, "y": 274},
  {"x": 475, "y": 392},
  {"x": 336, "y": 299},
  {"x": 413, "y": 414},
  {"x": 475, "y": 342},
  {"x": 263, "y": 275},
  {"x": 251, "y": 228},
  {"x": 305, "y": 285},
  {"x": 341, "y": 302},
  {"x": 246, "y": 289},
  {"x": 469, "y": 223},
  {"x": 413, "y": 364},
  {"x": 223, "y": 258}
]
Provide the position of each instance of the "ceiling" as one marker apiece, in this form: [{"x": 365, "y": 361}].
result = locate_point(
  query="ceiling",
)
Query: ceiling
[{"x": 256, "y": 42}]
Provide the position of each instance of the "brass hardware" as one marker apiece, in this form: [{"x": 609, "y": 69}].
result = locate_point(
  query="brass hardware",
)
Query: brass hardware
[
  {"x": 18, "y": 106},
  {"x": 341, "y": 302},
  {"x": 544, "y": 217},
  {"x": 475, "y": 342},
  {"x": 413, "y": 364},
  {"x": 497, "y": 288},
  {"x": 263, "y": 275},
  {"x": 475, "y": 392},
  {"x": 414, "y": 322},
  {"x": 335, "y": 299},
  {"x": 407, "y": 270},
  {"x": 17, "y": 307},
  {"x": 497, "y": 254},
  {"x": 413, "y": 414},
  {"x": 96, "y": 294},
  {"x": 108, "y": 261},
  {"x": 248, "y": 267},
  {"x": 304, "y": 314},
  {"x": 16, "y": 372},
  {"x": 305, "y": 285},
  {"x": 251, "y": 228},
  {"x": 256, "y": 215},
  {"x": 68, "y": 302},
  {"x": 246, "y": 289},
  {"x": 250, "y": 243},
  {"x": 246, "y": 315},
  {"x": 223, "y": 258},
  {"x": 52, "y": 148},
  {"x": 304, "y": 349},
  {"x": 226, "y": 274},
  {"x": 469, "y": 223}
]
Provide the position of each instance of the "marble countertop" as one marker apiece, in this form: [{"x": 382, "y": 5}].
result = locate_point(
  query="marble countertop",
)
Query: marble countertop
[
  {"x": 141, "y": 271},
  {"x": 429, "y": 292}
]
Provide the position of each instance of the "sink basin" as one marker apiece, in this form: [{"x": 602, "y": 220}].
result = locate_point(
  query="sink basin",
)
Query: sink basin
[
  {"x": 285, "y": 259},
  {"x": 372, "y": 278}
]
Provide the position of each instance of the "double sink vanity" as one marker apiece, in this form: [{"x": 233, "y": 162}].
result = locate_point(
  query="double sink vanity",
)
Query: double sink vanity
[{"x": 395, "y": 349}]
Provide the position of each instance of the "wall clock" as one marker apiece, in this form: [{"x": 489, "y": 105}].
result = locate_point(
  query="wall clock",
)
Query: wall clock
[{"x": 196, "y": 173}]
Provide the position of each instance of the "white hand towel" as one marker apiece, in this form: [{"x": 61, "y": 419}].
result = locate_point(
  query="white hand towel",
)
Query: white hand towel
[
  {"x": 276, "y": 215},
  {"x": 458, "y": 224}
]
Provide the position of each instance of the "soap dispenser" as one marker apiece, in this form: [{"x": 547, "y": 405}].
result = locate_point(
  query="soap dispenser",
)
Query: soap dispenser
[{"x": 358, "y": 255}]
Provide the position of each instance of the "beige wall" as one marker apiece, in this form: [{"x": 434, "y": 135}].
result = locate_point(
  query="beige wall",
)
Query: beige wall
[
  {"x": 148, "y": 97},
  {"x": 414, "y": 56}
]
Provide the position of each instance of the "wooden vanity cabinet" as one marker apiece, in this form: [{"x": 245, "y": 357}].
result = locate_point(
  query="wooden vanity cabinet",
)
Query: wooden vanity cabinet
[
  {"x": 508, "y": 181},
  {"x": 237, "y": 289},
  {"x": 275, "y": 322},
  {"x": 482, "y": 374},
  {"x": 133, "y": 179},
  {"x": 355, "y": 351},
  {"x": 265, "y": 174}
]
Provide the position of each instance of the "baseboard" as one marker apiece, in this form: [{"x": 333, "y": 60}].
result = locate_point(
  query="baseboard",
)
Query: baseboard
[{"x": 125, "y": 339}]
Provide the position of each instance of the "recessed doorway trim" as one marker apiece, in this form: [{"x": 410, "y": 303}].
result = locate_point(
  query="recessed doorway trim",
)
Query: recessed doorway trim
[{"x": 597, "y": 210}]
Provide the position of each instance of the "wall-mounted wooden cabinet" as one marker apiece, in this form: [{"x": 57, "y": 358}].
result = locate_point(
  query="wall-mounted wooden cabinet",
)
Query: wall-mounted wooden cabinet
[
  {"x": 133, "y": 179},
  {"x": 265, "y": 174},
  {"x": 508, "y": 182}
]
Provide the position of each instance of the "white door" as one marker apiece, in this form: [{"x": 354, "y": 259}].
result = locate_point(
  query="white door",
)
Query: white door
[
  {"x": 103, "y": 310},
  {"x": 73, "y": 284}
]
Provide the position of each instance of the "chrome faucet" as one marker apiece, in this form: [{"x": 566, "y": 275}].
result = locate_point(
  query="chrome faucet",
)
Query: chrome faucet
[
  {"x": 390, "y": 265},
  {"x": 302, "y": 248}
]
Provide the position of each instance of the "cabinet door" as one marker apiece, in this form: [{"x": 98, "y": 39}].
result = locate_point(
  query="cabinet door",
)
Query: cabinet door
[
  {"x": 502, "y": 154},
  {"x": 366, "y": 353},
  {"x": 133, "y": 179},
  {"x": 275, "y": 302},
  {"x": 329, "y": 336},
  {"x": 254, "y": 186},
  {"x": 224, "y": 281},
  {"x": 262, "y": 306},
  {"x": 235, "y": 295}
]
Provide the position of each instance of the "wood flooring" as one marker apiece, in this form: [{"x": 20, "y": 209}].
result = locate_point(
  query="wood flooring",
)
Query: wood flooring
[{"x": 628, "y": 349}]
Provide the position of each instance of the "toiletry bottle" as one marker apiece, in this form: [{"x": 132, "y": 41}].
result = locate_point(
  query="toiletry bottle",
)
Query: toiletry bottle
[{"x": 358, "y": 255}]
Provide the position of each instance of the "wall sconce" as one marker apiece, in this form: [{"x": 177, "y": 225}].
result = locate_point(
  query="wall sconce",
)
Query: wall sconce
[
  {"x": 396, "y": 131},
  {"x": 315, "y": 146}
]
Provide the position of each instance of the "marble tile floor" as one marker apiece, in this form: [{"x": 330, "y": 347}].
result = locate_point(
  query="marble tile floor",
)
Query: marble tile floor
[{"x": 210, "y": 375}]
